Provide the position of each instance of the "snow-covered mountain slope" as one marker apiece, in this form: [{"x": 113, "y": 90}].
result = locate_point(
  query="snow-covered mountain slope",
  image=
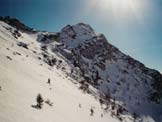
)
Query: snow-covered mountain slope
[
  {"x": 23, "y": 76},
  {"x": 113, "y": 86},
  {"x": 124, "y": 79}
]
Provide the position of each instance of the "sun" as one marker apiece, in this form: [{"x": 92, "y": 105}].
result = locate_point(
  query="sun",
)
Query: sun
[{"x": 118, "y": 7}]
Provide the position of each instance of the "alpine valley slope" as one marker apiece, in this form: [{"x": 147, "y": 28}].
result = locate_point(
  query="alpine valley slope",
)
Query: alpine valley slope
[{"x": 113, "y": 86}]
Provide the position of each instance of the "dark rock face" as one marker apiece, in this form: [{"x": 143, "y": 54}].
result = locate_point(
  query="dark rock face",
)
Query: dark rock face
[
  {"x": 16, "y": 23},
  {"x": 111, "y": 72},
  {"x": 157, "y": 86},
  {"x": 70, "y": 31},
  {"x": 47, "y": 38},
  {"x": 22, "y": 44},
  {"x": 106, "y": 68}
]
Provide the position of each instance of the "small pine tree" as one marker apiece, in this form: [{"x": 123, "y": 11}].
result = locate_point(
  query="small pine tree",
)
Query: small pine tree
[{"x": 40, "y": 101}]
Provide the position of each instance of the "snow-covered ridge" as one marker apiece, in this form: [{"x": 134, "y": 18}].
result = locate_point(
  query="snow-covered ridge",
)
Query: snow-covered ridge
[
  {"x": 112, "y": 72},
  {"x": 72, "y": 36},
  {"x": 125, "y": 88}
]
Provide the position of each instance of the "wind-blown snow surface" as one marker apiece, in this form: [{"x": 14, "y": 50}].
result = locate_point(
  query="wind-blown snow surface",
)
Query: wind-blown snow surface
[
  {"x": 24, "y": 72},
  {"x": 24, "y": 76}
]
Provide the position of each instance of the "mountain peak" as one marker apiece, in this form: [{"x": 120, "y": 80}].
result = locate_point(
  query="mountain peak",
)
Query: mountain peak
[{"x": 74, "y": 35}]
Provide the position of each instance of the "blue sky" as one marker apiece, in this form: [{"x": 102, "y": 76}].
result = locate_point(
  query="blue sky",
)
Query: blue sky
[{"x": 134, "y": 26}]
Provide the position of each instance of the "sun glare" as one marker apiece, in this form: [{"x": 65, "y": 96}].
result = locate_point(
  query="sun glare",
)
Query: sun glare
[
  {"x": 119, "y": 7},
  {"x": 124, "y": 4}
]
